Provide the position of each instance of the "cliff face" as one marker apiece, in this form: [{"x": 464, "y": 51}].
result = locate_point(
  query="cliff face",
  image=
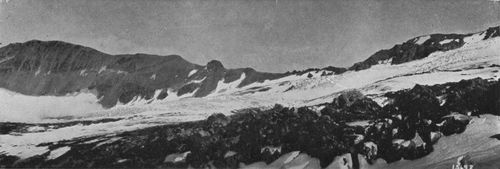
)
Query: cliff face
[{"x": 59, "y": 68}]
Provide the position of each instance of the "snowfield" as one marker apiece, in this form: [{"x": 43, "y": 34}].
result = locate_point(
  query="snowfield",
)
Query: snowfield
[
  {"x": 16, "y": 107},
  {"x": 478, "y": 58}
]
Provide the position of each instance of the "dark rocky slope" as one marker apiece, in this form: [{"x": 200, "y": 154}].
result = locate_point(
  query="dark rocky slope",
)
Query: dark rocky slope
[
  {"x": 251, "y": 135},
  {"x": 59, "y": 68}
]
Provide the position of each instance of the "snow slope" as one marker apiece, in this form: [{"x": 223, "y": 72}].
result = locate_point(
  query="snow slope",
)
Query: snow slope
[{"x": 16, "y": 107}]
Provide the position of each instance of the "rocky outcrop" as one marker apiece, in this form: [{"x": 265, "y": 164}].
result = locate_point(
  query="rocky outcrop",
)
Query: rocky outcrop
[
  {"x": 492, "y": 32},
  {"x": 332, "y": 69},
  {"x": 351, "y": 106}
]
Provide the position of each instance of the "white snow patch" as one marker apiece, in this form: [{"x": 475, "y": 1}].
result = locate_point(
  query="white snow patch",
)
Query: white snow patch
[
  {"x": 102, "y": 69},
  {"x": 459, "y": 117},
  {"x": 38, "y": 70},
  {"x": 271, "y": 149},
  {"x": 227, "y": 87},
  {"x": 442, "y": 100},
  {"x": 358, "y": 138},
  {"x": 359, "y": 123},
  {"x": 93, "y": 141},
  {"x": 317, "y": 109},
  {"x": 474, "y": 38},
  {"x": 153, "y": 77},
  {"x": 122, "y": 160},
  {"x": 229, "y": 154},
  {"x": 387, "y": 61},
  {"x": 380, "y": 100},
  {"x": 441, "y": 124},
  {"x": 22, "y": 151},
  {"x": 109, "y": 141},
  {"x": 292, "y": 156},
  {"x": 435, "y": 136},
  {"x": 198, "y": 81},
  {"x": 420, "y": 40},
  {"x": 192, "y": 72},
  {"x": 398, "y": 141},
  {"x": 370, "y": 144},
  {"x": 83, "y": 72},
  {"x": 447, "y": 41},
  {"x": 157, "y": 93},
  {"x": 418, "y": 140},
  {"x": 36, "y": 129},
  {"x": 175, "y": 158},
  {"x": 58, "y": 152},
  {"x": 407, "y": 143}
]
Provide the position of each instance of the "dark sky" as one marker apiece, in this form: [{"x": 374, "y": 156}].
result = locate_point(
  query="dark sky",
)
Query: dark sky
[{"x": 269, "y": 35}]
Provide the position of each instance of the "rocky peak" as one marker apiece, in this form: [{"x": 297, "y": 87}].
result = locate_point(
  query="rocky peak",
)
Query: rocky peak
[
  {"x": 47, "y": 46},
  {"x": 215, "y": 65},
  {"x": 492, "y": 32}
]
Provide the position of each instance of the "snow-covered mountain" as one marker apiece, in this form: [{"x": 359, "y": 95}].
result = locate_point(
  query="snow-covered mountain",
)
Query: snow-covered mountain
[
  {"x": 59, "y": 97},
  {"x": 54, "y": 73},
  {"x": 39, "y": 76}
]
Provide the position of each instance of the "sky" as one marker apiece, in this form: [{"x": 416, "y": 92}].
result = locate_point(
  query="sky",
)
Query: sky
[{"x": 268, "y": 35}]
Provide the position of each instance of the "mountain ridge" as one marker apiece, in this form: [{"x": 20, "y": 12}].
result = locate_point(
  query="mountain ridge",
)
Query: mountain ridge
[
  {"x": 418, "y": 48},
  {"x": 59, "y": 68}
]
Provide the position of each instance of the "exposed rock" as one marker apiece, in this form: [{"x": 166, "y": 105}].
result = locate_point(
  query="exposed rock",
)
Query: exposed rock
[
  {"x": 463, "y": 162},
  {"x": 492, "y": 32}
]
